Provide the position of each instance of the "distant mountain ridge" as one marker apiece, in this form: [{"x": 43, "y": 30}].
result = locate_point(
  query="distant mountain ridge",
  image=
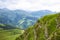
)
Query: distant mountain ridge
[
  {"x": 21, "y": 18},
  {"x": 42, "y": 13}
]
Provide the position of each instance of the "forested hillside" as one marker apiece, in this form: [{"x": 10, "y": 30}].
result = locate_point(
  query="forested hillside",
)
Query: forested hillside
[{"x": 46, "y": 28}]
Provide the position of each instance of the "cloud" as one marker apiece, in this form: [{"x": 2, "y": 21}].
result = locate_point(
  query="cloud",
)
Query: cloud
[{"x": 32, "y": 5}]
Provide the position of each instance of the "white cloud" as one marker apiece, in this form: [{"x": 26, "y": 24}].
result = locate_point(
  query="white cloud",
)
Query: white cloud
[{"x": 32, "y": 5}]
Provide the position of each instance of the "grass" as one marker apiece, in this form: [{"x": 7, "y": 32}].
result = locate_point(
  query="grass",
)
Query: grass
[
  {"x": 10, "y": 34},
  {"x": 12, "y": 37}
]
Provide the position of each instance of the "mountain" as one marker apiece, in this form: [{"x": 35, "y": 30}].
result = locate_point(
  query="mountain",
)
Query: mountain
[
  {"x": 42, "y": 13},
  {"x": 16, "y": 18},
  {"x": 46, "y": 28},
  {"x": 20, "y": 18}
]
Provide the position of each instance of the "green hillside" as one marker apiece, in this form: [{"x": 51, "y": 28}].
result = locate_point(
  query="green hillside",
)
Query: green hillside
[
  {"x": 8, "y": 32},
  {"x": 46, "y": 28}
]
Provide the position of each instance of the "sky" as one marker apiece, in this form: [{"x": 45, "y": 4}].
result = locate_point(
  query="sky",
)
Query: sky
[{"x": 32, "y": 5}]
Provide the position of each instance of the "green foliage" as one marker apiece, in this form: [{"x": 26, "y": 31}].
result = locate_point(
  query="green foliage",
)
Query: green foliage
[
  {"x": 46, "y": 28},
  {"x": 8, "y": 32}
]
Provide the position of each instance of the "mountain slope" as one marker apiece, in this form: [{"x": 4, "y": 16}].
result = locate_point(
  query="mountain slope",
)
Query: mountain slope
[
  {"x": 14, "y": 17},
  {"x": 46, "y": 28},
  {"x": 21, "y": 18}
]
